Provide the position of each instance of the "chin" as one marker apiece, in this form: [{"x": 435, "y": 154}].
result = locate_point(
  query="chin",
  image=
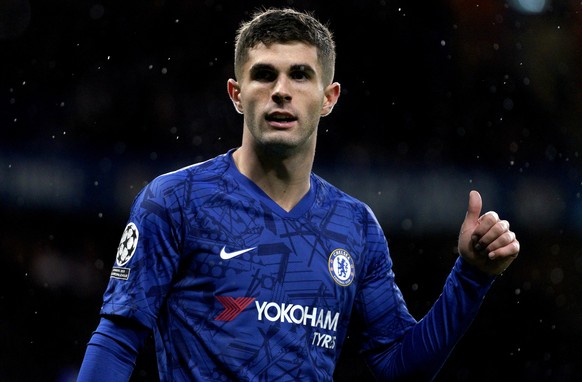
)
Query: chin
[{"x": 279, "y": 148}]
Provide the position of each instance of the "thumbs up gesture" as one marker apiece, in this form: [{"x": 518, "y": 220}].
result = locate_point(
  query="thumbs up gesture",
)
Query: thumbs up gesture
[{"x": 485, "y": 241}]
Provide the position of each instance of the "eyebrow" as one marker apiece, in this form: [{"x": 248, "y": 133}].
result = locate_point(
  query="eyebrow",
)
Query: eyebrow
[
  {"x": 303, "y": 68},
  {"x": 258, "y": 67},
  {"x": 294, "y": 68}
]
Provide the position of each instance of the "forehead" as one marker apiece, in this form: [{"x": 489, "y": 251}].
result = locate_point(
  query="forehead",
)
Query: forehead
[{"x": 282, "y": 56}]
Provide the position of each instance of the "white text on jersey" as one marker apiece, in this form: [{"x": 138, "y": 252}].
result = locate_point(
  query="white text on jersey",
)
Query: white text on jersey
[{"x": 297, "y": 314}]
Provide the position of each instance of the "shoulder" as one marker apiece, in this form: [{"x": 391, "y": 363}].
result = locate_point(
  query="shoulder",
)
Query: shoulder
[
  {"x": 184, "y": 184},
  {"x": 202, "y": 172},
  {"x": 173, "y": 190},
  {"x": 333, "y": 194},
  {"x": 330, "y": 196}
]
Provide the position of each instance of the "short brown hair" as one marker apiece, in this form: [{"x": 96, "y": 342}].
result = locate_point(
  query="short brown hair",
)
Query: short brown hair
[{"x": 283, "y": 25}]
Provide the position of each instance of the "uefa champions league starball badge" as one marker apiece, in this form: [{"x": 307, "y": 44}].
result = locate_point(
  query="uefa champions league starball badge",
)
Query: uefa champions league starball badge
[
  {"x": 125, "y": 251},
  {"x": 341, "y": 267},
  {"x": 127, "y": 244}
]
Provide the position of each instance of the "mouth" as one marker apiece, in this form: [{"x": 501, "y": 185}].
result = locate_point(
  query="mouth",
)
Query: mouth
[{"x": 279, "y": 118}]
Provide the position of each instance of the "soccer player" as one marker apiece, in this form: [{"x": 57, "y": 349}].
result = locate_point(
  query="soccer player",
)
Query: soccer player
[{"x": 249, "y": 267}]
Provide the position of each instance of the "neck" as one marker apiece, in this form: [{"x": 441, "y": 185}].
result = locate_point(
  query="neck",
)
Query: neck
[{"x": 286, "y": 180}]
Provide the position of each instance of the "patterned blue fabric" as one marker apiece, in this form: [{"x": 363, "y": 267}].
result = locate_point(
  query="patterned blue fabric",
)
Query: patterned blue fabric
[{"x": 236, "y": 288}]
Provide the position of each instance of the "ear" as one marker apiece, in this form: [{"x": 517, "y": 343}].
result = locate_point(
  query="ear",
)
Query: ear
[
  {"x": 332, "y": 93},
  {"x": 233, "y": 89}
]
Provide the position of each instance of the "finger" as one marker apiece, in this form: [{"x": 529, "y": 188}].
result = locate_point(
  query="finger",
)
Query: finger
[
  {"x": 492, "y": 230},
  {"x": 486, "y": 222},
  {"x": 509, "y": 250},
  {"x": 501, "y": 241},
  {"x": 474, "y": 208}
]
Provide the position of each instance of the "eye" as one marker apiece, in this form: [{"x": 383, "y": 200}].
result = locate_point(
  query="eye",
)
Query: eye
[
  {"x": 263, "y": 75},
  {"x": 301, "y": 73}
]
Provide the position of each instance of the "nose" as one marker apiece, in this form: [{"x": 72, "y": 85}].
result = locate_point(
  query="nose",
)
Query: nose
[{"x": 281, "y": 91}]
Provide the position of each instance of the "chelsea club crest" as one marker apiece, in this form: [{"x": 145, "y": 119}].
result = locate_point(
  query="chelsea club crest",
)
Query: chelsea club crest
[{"x": 341, "y": 267}]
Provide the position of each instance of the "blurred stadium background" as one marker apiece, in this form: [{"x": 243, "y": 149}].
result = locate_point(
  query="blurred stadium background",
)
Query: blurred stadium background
[{"x": 98, "y": 97}]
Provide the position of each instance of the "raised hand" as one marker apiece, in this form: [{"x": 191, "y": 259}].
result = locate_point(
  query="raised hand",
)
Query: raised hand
[{"x": 485, "y": 241}]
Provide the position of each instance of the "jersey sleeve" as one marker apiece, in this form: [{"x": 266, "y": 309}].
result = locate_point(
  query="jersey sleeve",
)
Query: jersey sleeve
[
  {"x": 148, "y": 254},
  {"x": 397, "y": 346},
  {"x": 112, "y": 351},
  {"x": 381, "y": 317}
]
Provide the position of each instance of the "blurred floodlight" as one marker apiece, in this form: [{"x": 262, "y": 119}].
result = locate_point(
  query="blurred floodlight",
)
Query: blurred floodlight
[
  {"x": 529, "y": 6},
  {"x": 41, "y": 183}
]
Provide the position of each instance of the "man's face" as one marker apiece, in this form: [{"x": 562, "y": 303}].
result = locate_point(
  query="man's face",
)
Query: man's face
[{"x": 282, "y": 96}]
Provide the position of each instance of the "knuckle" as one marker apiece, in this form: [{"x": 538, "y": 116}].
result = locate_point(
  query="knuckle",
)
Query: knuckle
[
  {"x": 504, "y": 225},
  {"x": 516, "y": 247}
]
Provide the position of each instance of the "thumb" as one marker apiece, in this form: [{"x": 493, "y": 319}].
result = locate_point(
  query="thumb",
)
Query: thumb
[{"x": 474, "y": 208}]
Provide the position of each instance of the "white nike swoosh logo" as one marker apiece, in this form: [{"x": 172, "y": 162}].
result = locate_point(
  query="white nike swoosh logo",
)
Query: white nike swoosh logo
[{"x": 229, "y": 255}]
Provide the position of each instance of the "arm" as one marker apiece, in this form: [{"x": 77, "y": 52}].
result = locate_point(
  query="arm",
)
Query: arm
[
  {"x": 112, "y": 351},
  {"x": 487, "y": 247},
  {"x": 421, "y": 352}
]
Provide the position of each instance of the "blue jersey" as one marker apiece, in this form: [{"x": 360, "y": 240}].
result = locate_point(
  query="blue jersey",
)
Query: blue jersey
[{"x": 236, "y": 288}]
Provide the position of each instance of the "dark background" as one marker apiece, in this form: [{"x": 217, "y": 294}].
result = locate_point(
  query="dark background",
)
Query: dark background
[{"x": 99, "y": 97}]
